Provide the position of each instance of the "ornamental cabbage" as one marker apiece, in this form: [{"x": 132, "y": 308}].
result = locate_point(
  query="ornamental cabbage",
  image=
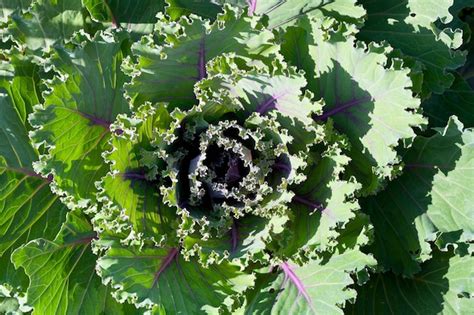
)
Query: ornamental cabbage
[{"x": 236, "y": 157}]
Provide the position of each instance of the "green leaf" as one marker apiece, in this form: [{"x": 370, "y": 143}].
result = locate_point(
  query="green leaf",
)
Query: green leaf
[
  {"x": 264, "y": 93},
  {"x": 130, "y": 187},
  {"x": 458, "y": 100},
  {"x": 318, "y": 287},
  {"x": 247, "y": 240},
  {"x": 369, "y": 102},
  {"x": 28, "y": 209},
  {"x": 20, "y": 78},
  {"x": 407, "y": 27},
  {"x": 25, "y": 196},
  {"x": 137, "y": 17},
  {"x": 435, "y": 194},
  {"x": 62, "y": 272},
  {"x": 295, "y": 49},
  {"x": 47, "y": 23},
  {"x": 75, "y": 118},
  {"x": 283, "y": 13},
  {"x": 443, "y": 286},
  {"x": 169, "y": 73},
  {"x": 205, "y": 8},
  {"x": 160, "y": 276},
  {"x": 7, "y": 7},
  {"x": 321, "y": 203}
]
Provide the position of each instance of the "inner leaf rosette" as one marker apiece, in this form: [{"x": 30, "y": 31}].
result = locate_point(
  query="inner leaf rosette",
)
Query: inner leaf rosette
[{"x": 239, "y": 179}]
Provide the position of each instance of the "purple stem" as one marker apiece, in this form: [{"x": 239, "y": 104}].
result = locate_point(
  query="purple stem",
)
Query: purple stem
[
  {"x": 202, "y": 60},
  {"x": 269, "y": 103},
  {"x": 134, "y": 175},
  {"x": 290, "y": 274},
  {"x": 252, "y": 6},
  {"x": 282, "y": 166},
  {"x": 172, "y": 254},
  {"x": 342, "y": 107},
  {"x": 234, "y": 232},
  {"x": 114, "y": 20},
  {"x": 309, "y": 203},
  {"x": 29, "y": 173},
  {"x": 85, "y": 240},
  {"x": 96, "y": 121}
]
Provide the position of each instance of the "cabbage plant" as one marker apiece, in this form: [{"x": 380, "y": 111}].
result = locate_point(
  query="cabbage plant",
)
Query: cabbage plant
[{"x": 236, "y": 157}]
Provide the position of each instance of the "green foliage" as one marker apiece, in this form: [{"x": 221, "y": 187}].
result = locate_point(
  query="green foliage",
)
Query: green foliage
[{"x": 236, "y": 157}]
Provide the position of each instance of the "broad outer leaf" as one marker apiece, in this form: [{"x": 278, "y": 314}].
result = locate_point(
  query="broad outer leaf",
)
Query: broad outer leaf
[
  {"x": 28, "y": 209},
  {"x": 24, "y": 195},
  {"x": 47, "y": 23},
  {"x": 160, "y": 276},
  {"x": 434, "y": 194},
  {"x": 370, "y": 103},
  {"x": 317, "y": 287},
  {"x": 283, "y": 13},
  {"x": 406, "y": 26},
  {"x": 169, "y": 73},
  {"x": 443, "y": 286},
  {"x": 74, "y": 120},
  {"x": 320, "y": 284},
  {"x": 62, "y": 272}
]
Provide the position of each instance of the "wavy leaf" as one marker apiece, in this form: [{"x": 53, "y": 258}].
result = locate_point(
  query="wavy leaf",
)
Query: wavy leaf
[
  {"x": 435, "y": 194},
  {"x": 7, "y": 7},
  {"x": 284, "y": 13},
  {"x": 47, "y": 23},
  {"x": 165, "y": 71},
  {"x": 443, "y": 286},
  {"x": 317, "y": 287},
  {"x": 62, "y": 272},
  {"x": 135, "y": 17},
  {"x": 368, "y": 102},
  {"x": 160, "y": 276},
  {"x": 407, "y": 27},
  {"x": 458, "y": 100},
  {"x": 75, "y": 118}
]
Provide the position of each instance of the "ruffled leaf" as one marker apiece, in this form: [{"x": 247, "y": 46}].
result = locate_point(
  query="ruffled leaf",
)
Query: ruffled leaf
[
  {"x": 443, "y": 286},
  {"x": 433, "y": 196},
  {"x": 161, "y": 277},
  {"x": 75, "y": 118},
  {"x": 284, "y": 13},
  {"x": 317, "y": 287},
  {"x": 458, "y": 100},
  {"x": 205, "y": 8},
  {"x": 7, "y": 7},
  {"x": 369, "y": 102},
  {"x": 130, "y": 189},
  {"x": 321, "y": 203},
  {"x": 62, "y": 272},
  {"x": 25, "y": 195},
  {"x": 137, "y": 17},
  {"x": 407, "y": 27},
  {"x": 168, "y": 73},
  {"x": 47, "y": 23}
]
